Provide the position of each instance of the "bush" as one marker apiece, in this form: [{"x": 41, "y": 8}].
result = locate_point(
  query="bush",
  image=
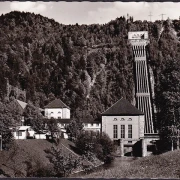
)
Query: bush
[
  {"x": 92, "y": 143},
  {"x": 63, "y": 165}
]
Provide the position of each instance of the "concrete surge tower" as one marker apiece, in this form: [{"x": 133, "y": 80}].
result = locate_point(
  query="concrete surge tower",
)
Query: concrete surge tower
[{"x": 139, "y": 40}]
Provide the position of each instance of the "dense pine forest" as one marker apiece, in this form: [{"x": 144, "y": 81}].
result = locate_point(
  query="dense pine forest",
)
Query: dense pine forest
[{"x": 89, "y": 67}]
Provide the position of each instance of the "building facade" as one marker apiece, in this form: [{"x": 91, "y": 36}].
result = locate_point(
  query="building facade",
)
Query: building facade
[
  {"x": 92, "y": 126},
  {"x": 57, "y": 110},
  {"x": 23, "y": 132},
  {"x": 123, "y": 121}
]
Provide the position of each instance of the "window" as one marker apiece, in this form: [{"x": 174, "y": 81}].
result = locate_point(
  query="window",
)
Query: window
[
  {"x": 59, "y": 112},
  {"x": 122, "y": 131},
  {"x": 129, "y": 131},
  {"x": 115, "y": 135},
  {"x": 115, "y": 119},
  {"x": 97, "y": 125},
  {"x": 85, "y": 125},
  {"x": 18, "y": 133},
  {"x": 59, "y": 117},
  {"x": 130, "y": 119},
  {"x": 91, "y": 124},
  {"x": 122, "y": 119},
  {"x": 51, "y": 112},
  {"x": 129, "y": 142}
]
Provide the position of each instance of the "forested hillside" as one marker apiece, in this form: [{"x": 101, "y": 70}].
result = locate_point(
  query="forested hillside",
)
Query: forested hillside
[{"x": 89, "y": 67}]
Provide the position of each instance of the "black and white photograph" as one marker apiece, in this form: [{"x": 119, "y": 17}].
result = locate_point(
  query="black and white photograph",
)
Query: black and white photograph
[{"x": 89, "y": 89}]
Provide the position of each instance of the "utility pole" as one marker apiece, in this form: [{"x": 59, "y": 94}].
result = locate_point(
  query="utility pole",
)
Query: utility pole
[
  {"x": 150, "y": 15},
  {"x": 162, "y": 16}
]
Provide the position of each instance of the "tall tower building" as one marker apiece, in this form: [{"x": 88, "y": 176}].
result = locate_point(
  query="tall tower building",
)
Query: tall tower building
[{"x": 139, "y": 40}]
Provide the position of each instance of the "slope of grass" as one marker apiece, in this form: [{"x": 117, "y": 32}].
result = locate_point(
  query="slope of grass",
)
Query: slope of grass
[
  {"x": 13, "y": 162},
  {"x": 166, "y": 165}
]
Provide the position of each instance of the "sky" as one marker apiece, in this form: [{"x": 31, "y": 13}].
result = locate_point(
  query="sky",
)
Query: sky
[{"x": 94, "y": 12}]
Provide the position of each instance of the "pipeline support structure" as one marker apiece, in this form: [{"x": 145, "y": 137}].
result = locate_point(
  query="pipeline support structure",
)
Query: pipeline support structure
[{"x": 139, "y": 40}]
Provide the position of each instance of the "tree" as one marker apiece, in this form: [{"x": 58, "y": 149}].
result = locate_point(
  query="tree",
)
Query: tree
[
  {"x": 74, "y": 128},
  {"x": 107, "y": 147},
  {"x": 63, "y": 164},
  {"x": 33, "y": 118},
  {"x": 9, "y": 118},
  {"x": 51, "y": 97},
  {"x": 35, "y": 168},
  {"x": 171, "y": 132},
  {"x": 54, "y": 130},
  {"x": 93, "y": 144}
]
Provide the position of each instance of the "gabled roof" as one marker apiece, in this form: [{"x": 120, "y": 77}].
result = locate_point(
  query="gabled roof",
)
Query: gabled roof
[
  {"x": 22, "y": 104},
  {"x": 57, "y": 103},
  {"x": 122, "y": 107},
  {"x": 23, "y": 128}
]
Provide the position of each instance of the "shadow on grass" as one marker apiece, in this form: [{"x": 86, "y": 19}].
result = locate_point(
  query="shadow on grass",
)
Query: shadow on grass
[{"x": 75, "y": 149}]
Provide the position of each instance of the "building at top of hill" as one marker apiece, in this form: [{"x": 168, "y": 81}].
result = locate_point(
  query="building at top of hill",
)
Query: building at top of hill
[
  {"x": 123, "y": 121},
  {"x": 57, "y": 110}
]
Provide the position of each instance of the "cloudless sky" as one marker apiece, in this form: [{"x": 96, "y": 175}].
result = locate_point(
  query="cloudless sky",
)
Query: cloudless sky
[{"x": 94, "y": 12}]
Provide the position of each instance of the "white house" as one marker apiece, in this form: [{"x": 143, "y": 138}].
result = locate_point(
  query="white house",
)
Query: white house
[
  {"x": 57, "y": 110},
  {"x": 40, "y": 135},
  {"x": 123, "y": 121},
  {"x": 23, "y": 132},
  {"x": 92, "y": 126}
]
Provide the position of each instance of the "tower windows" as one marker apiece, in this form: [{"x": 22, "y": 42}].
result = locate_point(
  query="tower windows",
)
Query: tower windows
[
  {"x": 115, "y": 131},
  {"x": 129, "y": 131},
  {"x": 122, "y": 131}
]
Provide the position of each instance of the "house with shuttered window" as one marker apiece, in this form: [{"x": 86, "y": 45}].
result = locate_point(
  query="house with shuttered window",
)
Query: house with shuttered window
[
  {"x": 123, "y": 121},
  {"x": 57, "y": 110}
]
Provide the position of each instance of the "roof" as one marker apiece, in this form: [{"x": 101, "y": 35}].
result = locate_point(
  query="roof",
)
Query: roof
[
  {"x": 89, "y": 120},
  {"x": 57, "y": 103},
  {"x": 23, "y": 128},
  {"x": 122, "y": 107},
  {"x": 92, "y": 122},
  {"x": 22, "y": 104},
  {"x": 64, "y": 121}
]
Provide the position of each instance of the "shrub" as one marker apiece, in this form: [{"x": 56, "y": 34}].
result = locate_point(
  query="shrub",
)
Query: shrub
[
  {"x": 63, "y": 165},
  {"x": 92, "y": 143}
]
